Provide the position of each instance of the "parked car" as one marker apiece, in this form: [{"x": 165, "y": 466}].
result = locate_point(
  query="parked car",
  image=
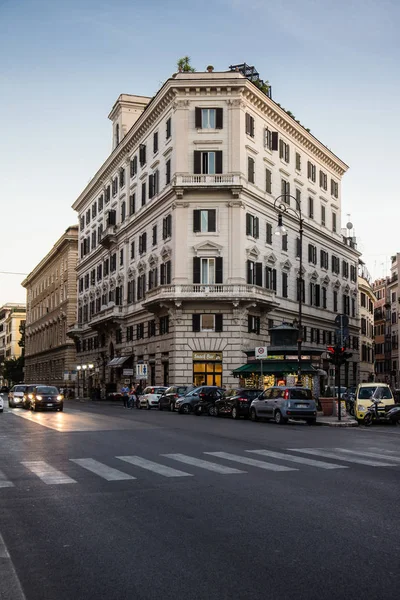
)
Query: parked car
[
  {"x": 282, "y": 403},
  {"x": 203, "y": 394},
  {"x": 393, "y": 414},
  {"x": 366, "y": 394},
  {"x": 4, "y": 389},
  {"x": 16, "y": 395},
  {"x": 1, "y": 404},
  {"x": 171, "y": 394},
  {"x": 38, "y": 397},
  {"x": 150, "y": 397},
  {"x": 236, "y": 403}
]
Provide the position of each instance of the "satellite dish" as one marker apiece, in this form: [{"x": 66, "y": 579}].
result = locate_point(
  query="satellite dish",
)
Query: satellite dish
[{"x": 349, "y": 225}]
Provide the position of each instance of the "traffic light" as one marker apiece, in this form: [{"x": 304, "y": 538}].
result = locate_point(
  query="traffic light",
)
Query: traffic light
[{"x": 338, "y": 355}]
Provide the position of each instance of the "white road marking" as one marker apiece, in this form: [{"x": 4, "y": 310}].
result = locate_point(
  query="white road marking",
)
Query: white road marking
[
  {"x": 203, "y": 464},
  {"x": 10, "y": 585},
  {"x": 102, "y": 470},
  {"x": 4, "y": 481},
  {"x": 339, "y": 456},
  {"x": 369, "y": 454},
  {"x": 298, "y": 459},
  {"x": 47, "y": 473},
  {"x": 251, "y": 461},
  {"x": 149, "y": 465}
]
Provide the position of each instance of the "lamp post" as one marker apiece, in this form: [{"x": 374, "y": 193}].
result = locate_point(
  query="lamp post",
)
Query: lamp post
[
  {"x": 282, "y": 206},
  {"x": 84, "y": 367},
  {"x": 78, "y": 369}
]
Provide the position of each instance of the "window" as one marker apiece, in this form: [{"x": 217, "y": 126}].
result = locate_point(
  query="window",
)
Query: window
[
  {"x": 346, "y": 304},
  {"x": 250, "y": 169},
  {"x": 268, "y": 181},
  {"x": 324, "y": 259},
  {"x": 165, "y": 273},
  {"x": 153, "y": 184},
  {"x": 298, "y": 161},
  {"x": 334, "y": 222},
  {"x": 142, "y": 154},
  {"x": 121, "y": 257},
  {"x": 311, "y": 171},
  {"x": 353, "y": 307},
  {"x": 207, "y": 163},
  {"x": 164, "y": 325},
  {"x": 167, "y": 227},
  {"x": 133, "y": 166},
  {"x": 285, "y": 191},
  {"x": 168, "y": 128},
  {"x": 155, "y": 142},
  {"x": 207, "y": 270},
  {"x": 123, "y": 211},
  {"x": 252, "y": 226},
  {"x": 154, "y": 235},
  {"x": 82, "y": 222},
  {"x": 108, "y": 194},
  {"x": 94, "y": 235},
  {"x": 141, "y": 286},
  {"x": 131, "y": 292},
  {"x": 143, "y": 193},
  {"x": 119, "y": 295},
  {"x": 268, "y": 138},
  {"x": 208, "y": 118},
  {"x": 268, "y": 233},
  {"x": 345, "y": 269},
  {"x": 285, "y": 242},
  {"x": 121, "y": 178},
  {"x": 140, "y": 331},
  {"x": 334, "y": 188},
  {"x": 324, "y": 301},
  {"x": 204, "y": 221},
  {"x": 207, "y": 322},
  {"x": 284, "y": 285},
  {"x": 129, "y": 333},
  {"x": 323, "y": 215},
  {"x": 270, "y": 278},
  {"x": 312, "y": 254},
  {"x": 168, "y": 172},
  {"x": 335, "y": 264},
  {"x": 132, "y": 250},
  {"x": 142, "y": 243},
  {"x": 113, "y": 262},
  {"x": 93, "y": 277},
  {"x": 114, "y": 186},
  {"x": 254, "y": 273},
  {"x": 151, "y": 328},
  {"x": 153, "y": 278},
  {"x": 94, "y": 210},
  {"x": 111, "y": 218},
  {"x": 323, "y": 180},
  {"x": 284, "y": 150},
  {"x": 106, "y": 267},
  {"x": 335, "y": 301},
  {"x": 253, "y": 324},
  {"x": 99, "y": 272},
  {"x": 88, "y": 217},
  {"x": 310, "y": 207},
  {"x": 132, "y": 204},
  {"x": 315, "y": 294},
  {"x": 100, "y": 203},
  {"x": 249, "y": 125},
  {"x": 298, "y": 248}
]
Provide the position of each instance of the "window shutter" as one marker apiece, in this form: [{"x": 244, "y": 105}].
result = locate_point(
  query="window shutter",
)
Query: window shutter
[
  {"x": 269, "y": 233},
  {"x": 196, "y": 322},
  {"x": 196, "y": 269},
  {"x": 162, "y": 274},
  {"x": 168, "y": 271},
  {"x": 247, "y": 123},
  {"x": 284, "y": 284},
  {"x": 249, "y": 273},
  {"x": 168, "y": 172},
  {"x": 248, "y": 224},
  {"x": 197, "y": 162},
  {"x": 280, "y": 148},
  {"x": 268, "y": 181},
  {"x": 196, "y": 221},
  {"x": 274, "y": 279},
  {"x": 219, "y": 276},
  {"x": 274, "y": 140},
  {"x": 309, "y": 253},
  {"x": 212, "y": 220},
  {"x": 251, "y": 126},
  {"x": 197, "y": 111},
  {"x": 317, "y": 295},
  {"x": 256, "y": 232},
  {"x": 258, "y": 273},
  {"x": 218, "y": 161},
  {"x": 249, "y": 323},
  {"x": 219, "y": 322},
  {"x": 219, "y": 118},
  {"x": 151, "y": 186}
]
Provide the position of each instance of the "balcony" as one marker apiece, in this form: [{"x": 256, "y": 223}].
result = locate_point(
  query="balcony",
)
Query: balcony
[
  {"x": 220, "y": 181},
  {"x": 108, "y": 316},
  {"x": 77, "y": 329},
  {"x": 234, "y": 293},
  {"x": 108, "y": 237}
]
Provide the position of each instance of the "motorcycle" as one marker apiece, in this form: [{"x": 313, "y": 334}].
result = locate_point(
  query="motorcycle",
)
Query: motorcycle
[
  {"x": 393, "y": 415},
  {"x": 205, "y": 407},
  {"x": 373, "y": 414}
]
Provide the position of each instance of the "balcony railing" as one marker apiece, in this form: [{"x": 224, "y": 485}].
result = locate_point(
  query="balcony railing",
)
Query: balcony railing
[
  {"x": 111, "y": 313},
  {"x": 227, "y": 292},
  {"x": 108, "y": 236},
  {"x": 225, "y": 179}
]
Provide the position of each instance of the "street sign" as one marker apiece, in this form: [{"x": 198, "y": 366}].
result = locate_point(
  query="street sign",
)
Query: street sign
[
  {"x": 261, "y": 352},
  {"x": 341, "y": 321},
  {"x": 127, "y": 372},
  {"x": 141, "y": 371}
]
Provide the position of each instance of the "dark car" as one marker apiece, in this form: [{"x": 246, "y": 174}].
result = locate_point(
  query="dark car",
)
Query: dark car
[
  {"x": 4, "y": 389},
  {"x": 282, "y": 403},
  {"x": 204, "y": 394},
  {"x": 171, "y": 394},
  {"x": 41, "y": 397},
  {"x": 236, "y": 403}
]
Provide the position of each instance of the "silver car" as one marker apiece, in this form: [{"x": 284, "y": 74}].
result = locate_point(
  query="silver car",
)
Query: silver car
[
  {"x": 16, "y": 396},
  {"x": 282, "y": 403},
  {"x": 151, "y": 396}
]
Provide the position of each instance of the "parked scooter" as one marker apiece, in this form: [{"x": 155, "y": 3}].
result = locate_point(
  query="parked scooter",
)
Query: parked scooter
[
  {"x": 393, "y": 415},
  {"x": 375, "y": 415}
]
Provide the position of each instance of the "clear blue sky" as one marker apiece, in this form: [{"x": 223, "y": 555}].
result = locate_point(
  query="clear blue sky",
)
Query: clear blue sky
[{"x": 335, "y": 65}]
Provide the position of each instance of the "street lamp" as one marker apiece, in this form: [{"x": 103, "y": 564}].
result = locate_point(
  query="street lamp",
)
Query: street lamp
[
  {"x": 78, "y": 368},
  {"x": 281, "y": 206}
]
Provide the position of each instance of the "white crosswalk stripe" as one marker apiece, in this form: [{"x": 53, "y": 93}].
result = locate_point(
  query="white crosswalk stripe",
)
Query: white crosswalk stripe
[
  {"x": 339, "y": 456},
  {"x": 47, "y": 473},
  {"x": 251, "y": 461},
  {"x": 203, "y": 464},
  {"x": 149, "y": 465},
  {"x": 298, "y": 459},
  {"x": 4, "y": 482},
  {"x": 369, "y": 454},
  {"x": 104, "y": 471}
]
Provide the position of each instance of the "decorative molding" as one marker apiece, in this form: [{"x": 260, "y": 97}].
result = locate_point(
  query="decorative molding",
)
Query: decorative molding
[
  {"x": 251, "y": 149},
  {"x": 313, "y": 276},
  {"x": 253, "y": 252},
  {"x": 120, "y": 278},
  {"x": 155, "y": 163},
  {"x": 141, "y": 266},
  {"x": 298, "y": 181},
  {"x": 271, "y": 258},
  {"x": 167, "y": 151},
  {"x": 286, "y": 173},
  {"x": 311, "y": 191},
  {"x": 152, "y": 260},
  {"x": 336, "y": 284},
  {"x": 325, "y": 280},
  {"x": 166, "y": 252},
  {"x": 286, "y": 265},
  {"x": 207, "y": 248},
  {"x": 269, "y": 161},
  {"x": 207, "y": 142}
]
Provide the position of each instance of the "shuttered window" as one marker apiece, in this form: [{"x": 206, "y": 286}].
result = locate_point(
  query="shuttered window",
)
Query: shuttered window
[
  {"x": 268, "y": 181},
  {"x": 250, "y": 169},
  {"x": 207, "y": 163},
  {"x": 249, "y": 125},
  {"x": 204, "y": 221}
]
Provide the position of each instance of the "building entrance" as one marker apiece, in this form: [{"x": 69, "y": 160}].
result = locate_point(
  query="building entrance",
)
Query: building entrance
[{"x": 207, "y": 368}]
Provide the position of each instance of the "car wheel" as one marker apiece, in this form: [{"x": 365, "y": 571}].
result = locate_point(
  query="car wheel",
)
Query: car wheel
[
  {"x": 186, "y": 409},
  {"x": 1, "y": 410},
  {"x": 61, "y": 409},
  {"x": 311, "y": 421},
  {"x": 212, "y": 411},
  {"x": 279, "y": 419},
  {"x": 148, "y": 405},
  {"x": 367, "y": 420},
  {"x": 253, "y": 414},
  {"x": 235, "y": 413}
]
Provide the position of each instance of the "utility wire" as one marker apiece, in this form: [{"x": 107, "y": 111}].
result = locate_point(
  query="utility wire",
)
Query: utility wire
[{"x": 12, "y": 273}]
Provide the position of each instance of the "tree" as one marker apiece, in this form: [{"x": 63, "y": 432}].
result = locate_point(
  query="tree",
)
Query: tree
[
  {"x": 13, "y": 370},
  {"x": 21, "y": 342},
  {"x": 184, "y": 65}
]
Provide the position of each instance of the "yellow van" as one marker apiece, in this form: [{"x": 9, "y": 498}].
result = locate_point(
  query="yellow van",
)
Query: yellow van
[{"x": 368, "y": 392}]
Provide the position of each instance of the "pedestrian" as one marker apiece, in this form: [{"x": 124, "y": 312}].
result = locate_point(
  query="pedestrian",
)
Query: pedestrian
[
  {"x": 132, "y": 397},
  {"x": 125, "y": 395}
]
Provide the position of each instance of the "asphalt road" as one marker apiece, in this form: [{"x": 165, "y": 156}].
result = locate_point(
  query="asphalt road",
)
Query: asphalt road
[{"x": 91, "y": 508}]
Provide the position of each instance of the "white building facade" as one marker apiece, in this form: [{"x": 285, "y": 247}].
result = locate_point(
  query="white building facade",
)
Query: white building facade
[{"x": 179, "y": 267}]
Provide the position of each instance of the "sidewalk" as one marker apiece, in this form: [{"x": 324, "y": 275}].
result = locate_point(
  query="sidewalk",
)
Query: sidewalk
[{"x": 333, "y": 421}]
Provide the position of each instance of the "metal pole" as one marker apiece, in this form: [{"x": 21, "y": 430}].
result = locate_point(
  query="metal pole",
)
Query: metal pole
[
  {"x": 261, "y": 367},
  {"x": 339, "y": 413},
  {"x": 300, "y": 284}
]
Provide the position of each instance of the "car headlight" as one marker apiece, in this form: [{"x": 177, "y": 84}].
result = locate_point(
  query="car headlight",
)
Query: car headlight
[
  {"x": 59, "y": 397},
  {"x": 39, "y": 398},
  {"x": 361, "y": 408}
]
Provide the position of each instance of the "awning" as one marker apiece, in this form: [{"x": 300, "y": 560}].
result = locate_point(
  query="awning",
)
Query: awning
[
  {"x": 274, "y": 367},
  {"x": 118, "y": 361}
]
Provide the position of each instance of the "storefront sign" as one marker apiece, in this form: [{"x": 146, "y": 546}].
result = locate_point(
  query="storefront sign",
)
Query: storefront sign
[
  {"x": 276, "y": 357},
  {"x": 207, "y": 355},
  {"x": 127, "y": 372},
  {"x": 303, "y": 357}
]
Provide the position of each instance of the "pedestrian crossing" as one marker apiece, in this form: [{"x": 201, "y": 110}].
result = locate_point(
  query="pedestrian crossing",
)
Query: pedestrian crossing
[{"x": 165, "y": 466}]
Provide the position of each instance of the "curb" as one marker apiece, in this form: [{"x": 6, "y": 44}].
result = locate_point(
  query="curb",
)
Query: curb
[{"x": 338, "y": 424}]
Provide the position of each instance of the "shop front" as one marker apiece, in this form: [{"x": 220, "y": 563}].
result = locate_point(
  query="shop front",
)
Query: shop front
[
  {"x": 207, "y": 368},
  {"x": 276, "y": 372}
]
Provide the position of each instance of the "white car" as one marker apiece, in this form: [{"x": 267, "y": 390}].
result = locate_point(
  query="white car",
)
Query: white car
[
  {"x": 16, "y": 396},
  {"x": 151, "y": 396},
  {"x": 1, "y": 403}
]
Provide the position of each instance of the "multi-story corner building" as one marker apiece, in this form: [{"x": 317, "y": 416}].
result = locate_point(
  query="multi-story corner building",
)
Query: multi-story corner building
[
  {"x": 12, "y": 317},
  {"x": 366, "y": 301},
  {"x": 50, "y": 355},
  {"x": 382, "y": 344},
  {"x": 179, "y": 266},
  {"x": 393, "y": 296}
]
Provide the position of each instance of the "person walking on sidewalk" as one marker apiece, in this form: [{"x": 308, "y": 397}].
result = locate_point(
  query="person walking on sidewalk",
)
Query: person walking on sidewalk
[
  {"x": 125, "y": 395},
  {"x": 132, "y": 397}
]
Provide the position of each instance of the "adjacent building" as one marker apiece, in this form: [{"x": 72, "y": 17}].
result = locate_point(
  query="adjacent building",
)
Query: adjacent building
[
  {"x": 179, "y": 268},
  {"x": 381, "y": 332},
  {"x": 367, "y": 300},
  {"x": 12, "y": 322},
  {"x": 50, "y": 355}
]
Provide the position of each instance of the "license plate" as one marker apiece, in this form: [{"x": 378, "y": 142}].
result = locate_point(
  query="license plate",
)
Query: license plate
[
  {"x": 49, "y": 405},
  {"x": 301, "y": 406}
]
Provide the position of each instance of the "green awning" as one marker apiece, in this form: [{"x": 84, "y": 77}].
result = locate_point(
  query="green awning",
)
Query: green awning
[{"x": 269, "y": 367}]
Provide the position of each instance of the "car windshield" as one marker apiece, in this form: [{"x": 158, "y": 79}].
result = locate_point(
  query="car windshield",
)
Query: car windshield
[
  {"x": 250, "y": 394},
  {"x": 19, "y": 388},
  {"x": 159, "y": 390},
  {"x": 373, "y": 391},
  {"x": 46, "y": 389},
  {"x": 182, "y": 389},
  {"x": 300, "y": 394}
]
